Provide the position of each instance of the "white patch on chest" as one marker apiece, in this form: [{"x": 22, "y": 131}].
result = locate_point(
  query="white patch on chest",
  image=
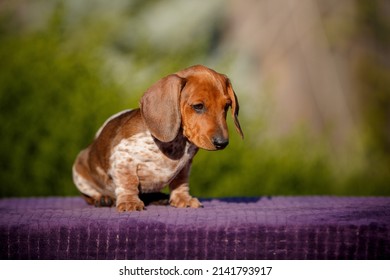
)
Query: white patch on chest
[{"x": 141, "y": 156}]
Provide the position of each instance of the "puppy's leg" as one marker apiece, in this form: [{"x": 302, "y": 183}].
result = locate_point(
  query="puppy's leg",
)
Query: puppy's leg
[
  {"x": 86, "y": 185},
  {"x": 126, "y": 190},
  {"x": 180, "y": 196}
]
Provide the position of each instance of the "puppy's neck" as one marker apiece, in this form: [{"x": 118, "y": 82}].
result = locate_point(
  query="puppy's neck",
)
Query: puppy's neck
[{"x": 177, "y": 148}]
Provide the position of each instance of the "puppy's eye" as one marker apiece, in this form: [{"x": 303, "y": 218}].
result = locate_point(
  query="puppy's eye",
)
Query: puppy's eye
[{"x": 199, "y": 107}]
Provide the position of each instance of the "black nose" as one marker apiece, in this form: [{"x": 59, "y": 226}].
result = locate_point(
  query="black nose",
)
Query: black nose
[{"x": 220, "y": 143}]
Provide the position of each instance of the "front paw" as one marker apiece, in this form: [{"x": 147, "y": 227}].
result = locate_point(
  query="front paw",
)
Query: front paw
[
  {"x": 184, "y": 201},
  {"x": 134, "y": 204},
  {"x": 104, "y": 201}
]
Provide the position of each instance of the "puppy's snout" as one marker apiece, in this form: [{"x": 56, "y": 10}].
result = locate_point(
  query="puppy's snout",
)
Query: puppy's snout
[{"x": 220, "y": 142}]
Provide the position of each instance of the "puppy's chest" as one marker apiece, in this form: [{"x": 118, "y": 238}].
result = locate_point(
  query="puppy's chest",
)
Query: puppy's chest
[{"x": 155, "y": 163}]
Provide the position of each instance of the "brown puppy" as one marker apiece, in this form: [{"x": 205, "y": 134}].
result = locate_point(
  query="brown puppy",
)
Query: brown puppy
[{"x": 143, "y": 150}]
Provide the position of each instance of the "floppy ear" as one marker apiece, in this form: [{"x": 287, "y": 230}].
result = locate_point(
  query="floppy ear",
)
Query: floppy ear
[
  {"x": 235, "y": 107},
  {"x": 160, "y": 107}
]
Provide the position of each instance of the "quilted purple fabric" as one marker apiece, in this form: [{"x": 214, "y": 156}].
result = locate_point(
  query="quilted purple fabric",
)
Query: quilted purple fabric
[{"x": 258, "y": 228}]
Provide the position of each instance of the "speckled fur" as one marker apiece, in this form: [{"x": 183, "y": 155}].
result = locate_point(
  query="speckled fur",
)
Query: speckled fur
[
  {"x": 137, "y": 164},
  {"x": 154, "y": 163}
]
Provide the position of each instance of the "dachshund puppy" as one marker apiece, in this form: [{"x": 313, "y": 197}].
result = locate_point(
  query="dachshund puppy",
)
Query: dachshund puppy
[{"x": 142, "y": 150}]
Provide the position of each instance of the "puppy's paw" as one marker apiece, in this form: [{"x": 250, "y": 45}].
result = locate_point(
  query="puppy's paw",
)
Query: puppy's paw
[
  {"x": 104, "y": 201},
  {"x": 184, "y": 201},
  {"x": 130, "y": 205}
]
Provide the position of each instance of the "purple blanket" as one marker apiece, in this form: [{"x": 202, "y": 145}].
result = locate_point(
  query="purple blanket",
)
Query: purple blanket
[{"x": 262, "y": 228}]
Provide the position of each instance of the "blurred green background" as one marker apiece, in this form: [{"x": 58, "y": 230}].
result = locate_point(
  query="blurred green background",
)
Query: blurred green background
[{"x": 312, "y": 78}]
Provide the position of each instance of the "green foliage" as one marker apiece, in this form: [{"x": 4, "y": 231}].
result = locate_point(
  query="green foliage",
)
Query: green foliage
[
  {"x": 294, "y": 165},
  {"x": 57, "y": 87},
  {"x": 373, "y": 71},
  {"x": 52, "y": 100}
]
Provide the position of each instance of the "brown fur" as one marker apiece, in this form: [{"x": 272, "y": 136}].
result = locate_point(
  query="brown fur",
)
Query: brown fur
[{"x": 178, "y": 114}]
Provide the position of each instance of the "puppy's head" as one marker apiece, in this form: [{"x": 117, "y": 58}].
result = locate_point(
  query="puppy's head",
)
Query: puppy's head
[{"x": 194, "y": 101}]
